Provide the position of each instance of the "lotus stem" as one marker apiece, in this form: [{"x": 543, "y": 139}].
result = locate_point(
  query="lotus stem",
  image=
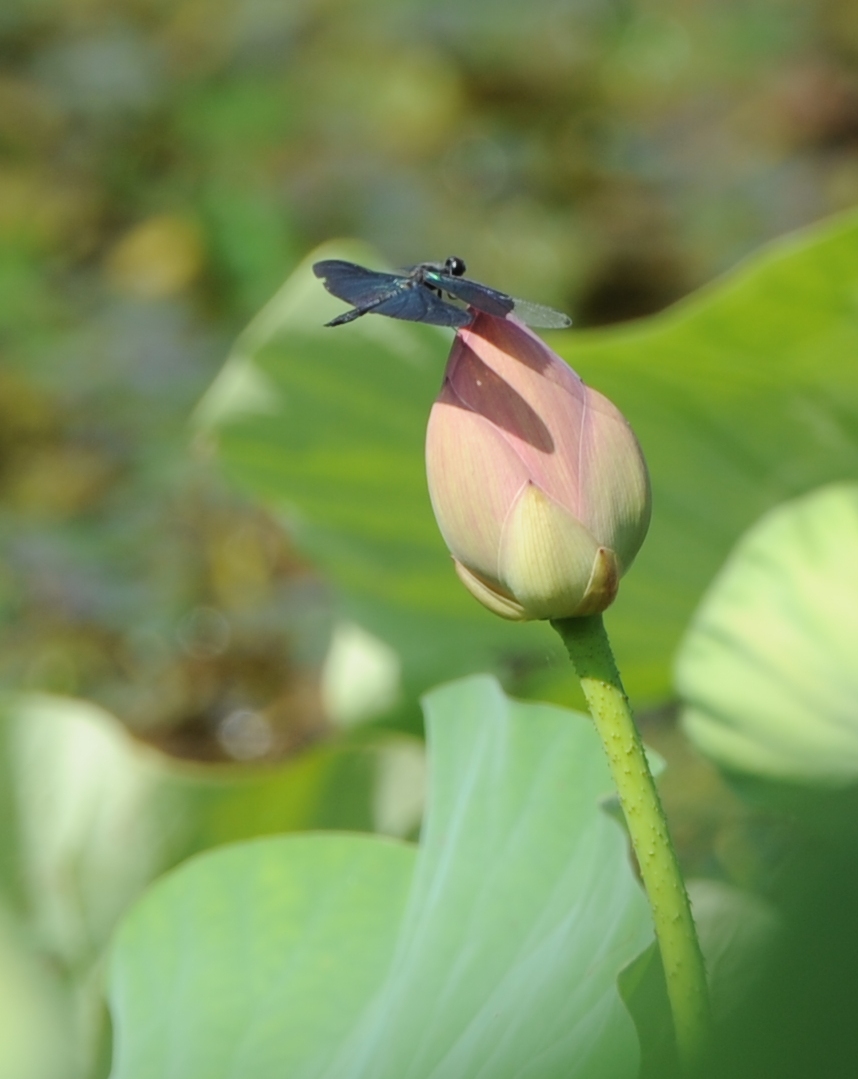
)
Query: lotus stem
[{"x": 685, "y": 975}]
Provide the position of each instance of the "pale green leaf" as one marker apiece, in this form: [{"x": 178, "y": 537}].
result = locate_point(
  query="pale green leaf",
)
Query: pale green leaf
[
  {"x": 35, "y": 1014},
  {"x": 492, "y": 950},
  {"x": 98, "y": 815},
  {"x": 769, "y": 668}
]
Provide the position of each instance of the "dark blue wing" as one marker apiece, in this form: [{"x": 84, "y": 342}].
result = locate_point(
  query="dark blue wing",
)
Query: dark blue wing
[
  {"x": 355, "y": 284},
  {"x": 472, "y": 292},
  {"x": 417, "y": 304}
]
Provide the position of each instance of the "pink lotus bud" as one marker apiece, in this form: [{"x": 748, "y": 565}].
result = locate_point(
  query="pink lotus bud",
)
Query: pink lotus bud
[{"x": 538, "y": 484}]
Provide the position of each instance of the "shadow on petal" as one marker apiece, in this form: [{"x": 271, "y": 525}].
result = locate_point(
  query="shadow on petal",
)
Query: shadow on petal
[{"x": 473, "y": 385}]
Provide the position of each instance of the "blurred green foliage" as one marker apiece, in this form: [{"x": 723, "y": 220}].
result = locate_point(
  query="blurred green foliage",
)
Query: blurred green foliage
[{"x": 163, "y": 165}]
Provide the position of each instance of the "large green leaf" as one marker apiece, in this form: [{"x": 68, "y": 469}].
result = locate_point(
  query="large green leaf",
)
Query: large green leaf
[
  {"x": 493, "y": 949},
  {"x": 743, "y": 395},
  {"x": 769, "y": 670}
]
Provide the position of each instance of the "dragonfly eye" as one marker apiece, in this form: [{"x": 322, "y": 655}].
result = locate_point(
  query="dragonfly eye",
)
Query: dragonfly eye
[{"x": 455, "y": 267}]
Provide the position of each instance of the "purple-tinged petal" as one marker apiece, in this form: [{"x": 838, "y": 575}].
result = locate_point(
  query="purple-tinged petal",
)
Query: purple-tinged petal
[
  {"x": 538, "y": 483},
  {"x": 542, "y": 417},
  {"x": 474, "y": 476},
  {"x": 614, "y": 483}
]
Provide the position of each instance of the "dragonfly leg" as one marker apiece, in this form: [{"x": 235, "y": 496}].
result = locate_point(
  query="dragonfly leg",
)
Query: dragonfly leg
[
  {"x": 356, "y": 312},
  {"x": 349, "y": 316}
]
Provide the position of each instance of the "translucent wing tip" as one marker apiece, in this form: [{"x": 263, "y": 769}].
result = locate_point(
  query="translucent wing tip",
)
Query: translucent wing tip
[
  {"x": 559, "y": 321},
  {"x": 541, "y": 317}
]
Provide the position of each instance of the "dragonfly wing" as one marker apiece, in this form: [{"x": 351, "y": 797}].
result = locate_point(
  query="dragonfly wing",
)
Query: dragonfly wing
[
  {"x": 493, "y": 302},
  {"x": 535, "y": 314},
  {"x": 355, "y": 284},
  {"x": 418, "y": 304},
  {"x": 479, "y": 296}
]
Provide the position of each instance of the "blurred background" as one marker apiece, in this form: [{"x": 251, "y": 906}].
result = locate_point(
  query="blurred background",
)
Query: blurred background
[{"x": 163, "y": 166}]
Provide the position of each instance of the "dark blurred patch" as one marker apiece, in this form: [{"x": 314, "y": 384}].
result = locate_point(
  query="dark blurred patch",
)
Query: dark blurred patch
[
  {"x": 800, "y": 1023},
  {"x": 631, "y": 286},
  {"x": 818, "y": 104}
]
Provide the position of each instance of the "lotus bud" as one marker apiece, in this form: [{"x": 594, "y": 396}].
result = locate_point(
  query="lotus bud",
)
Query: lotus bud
[{"x": 538, "y": 484}]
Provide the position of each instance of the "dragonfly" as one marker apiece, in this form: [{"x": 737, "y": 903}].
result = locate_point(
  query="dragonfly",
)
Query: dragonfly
[{"x": 418, "y": 295}]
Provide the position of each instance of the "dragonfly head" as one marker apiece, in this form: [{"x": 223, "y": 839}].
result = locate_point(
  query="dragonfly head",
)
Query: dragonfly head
[{"x": 455, "y": 267}]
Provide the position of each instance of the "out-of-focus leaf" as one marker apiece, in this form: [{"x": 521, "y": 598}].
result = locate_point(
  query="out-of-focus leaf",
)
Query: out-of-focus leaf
[
  {"x": 768, "y": 669},
  {"x": 35, "y": 1016},
  {"x": 741, "y": 396},
  {"x": 493, "y": 949},
  {"x": 257, "y": 959},
  {"x": 644, "y": 993},
  {"x": 100, "y": 815},
  {"x": 738, "y": 931},
  {"x": 360, "y": 677}
]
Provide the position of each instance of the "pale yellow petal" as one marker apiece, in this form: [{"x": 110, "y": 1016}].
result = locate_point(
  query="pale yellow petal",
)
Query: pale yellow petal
[
  {"x": 496, "y": 602},
  {"x": 546, "y": 556}
]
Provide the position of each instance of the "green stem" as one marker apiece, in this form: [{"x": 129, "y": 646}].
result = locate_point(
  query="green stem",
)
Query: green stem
[{"x": 590, "y": 652}]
